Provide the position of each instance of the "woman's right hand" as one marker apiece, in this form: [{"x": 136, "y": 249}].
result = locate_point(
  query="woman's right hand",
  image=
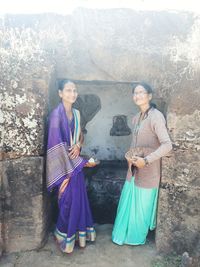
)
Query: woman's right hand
[
  {"x": 130, "y": 163},
  {"x": 74, "y": 152}
]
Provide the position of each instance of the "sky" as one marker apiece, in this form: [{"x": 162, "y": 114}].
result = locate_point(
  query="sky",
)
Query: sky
[{"x": 67, "y": 6}]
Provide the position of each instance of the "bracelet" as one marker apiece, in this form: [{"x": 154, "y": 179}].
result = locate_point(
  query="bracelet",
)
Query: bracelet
[
  {"x": 146, "y": 161},
  {"x": 78, "y": 145}
]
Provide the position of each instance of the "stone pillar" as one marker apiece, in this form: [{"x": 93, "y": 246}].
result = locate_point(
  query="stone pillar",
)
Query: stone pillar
[
  {"x": 25, "y": 72},
  {"x": 24, "y": 212},
  {"x": 1, "y": 211},
  {"x": 179, "y": 210}
]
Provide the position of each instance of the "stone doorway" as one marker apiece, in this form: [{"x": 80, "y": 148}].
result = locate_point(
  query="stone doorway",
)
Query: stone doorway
[{"x": 101, "y": 102}]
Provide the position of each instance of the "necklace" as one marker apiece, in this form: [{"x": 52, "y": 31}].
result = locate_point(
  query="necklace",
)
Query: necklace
[
  {"x": 142, "y": 117},
  {"x": 137, "y": 126}
]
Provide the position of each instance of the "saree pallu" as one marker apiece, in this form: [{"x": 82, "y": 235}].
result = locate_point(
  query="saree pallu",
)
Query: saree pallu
[
  {"x": 60, "y": 139},
  {"x": 136, "y": 214}
]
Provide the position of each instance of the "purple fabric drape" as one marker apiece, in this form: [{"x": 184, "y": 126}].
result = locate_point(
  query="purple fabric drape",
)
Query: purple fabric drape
[
  {"x": 59, "y": 165},
  {"x": 74, "y": 210}
]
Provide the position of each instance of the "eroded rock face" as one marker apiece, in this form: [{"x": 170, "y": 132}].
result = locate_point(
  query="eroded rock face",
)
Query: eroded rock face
[
  {"x": 24, "y": 218},
  {"x": 161, "y": 48},
  {"x": 1, "y": 211},
  {"x": 25, "y": 72},
  {"x": 178, "y": 219},
  {"x": 178, "y": 213},
  {"x": 23, "y": 93},
  {"x": 181, "y": 169}
]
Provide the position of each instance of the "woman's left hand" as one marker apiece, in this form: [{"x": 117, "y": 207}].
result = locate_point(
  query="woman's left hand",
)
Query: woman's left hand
[
  {"x": 74, "y": 152},
  {"x": 138, "y": 162}
]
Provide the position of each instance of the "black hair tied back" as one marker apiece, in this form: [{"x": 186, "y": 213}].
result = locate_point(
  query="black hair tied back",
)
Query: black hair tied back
[
  {"x": 153, "y": 105},
  {"x": 61, "y": 84},
  {"x": 147, "y": 88}
]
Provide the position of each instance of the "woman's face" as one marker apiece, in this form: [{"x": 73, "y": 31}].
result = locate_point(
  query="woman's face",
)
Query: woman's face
[
  {"x": 140, "y": 96},
  {"x": 69, "y": 93}
]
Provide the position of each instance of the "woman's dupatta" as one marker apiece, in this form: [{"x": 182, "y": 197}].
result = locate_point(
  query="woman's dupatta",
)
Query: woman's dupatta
[{"x": 58, "y": 164}]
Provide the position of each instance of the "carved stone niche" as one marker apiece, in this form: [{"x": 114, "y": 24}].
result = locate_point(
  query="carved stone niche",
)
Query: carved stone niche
[
  {"x": 88, "y": 105},
  {"x": 120, "y": 126}
]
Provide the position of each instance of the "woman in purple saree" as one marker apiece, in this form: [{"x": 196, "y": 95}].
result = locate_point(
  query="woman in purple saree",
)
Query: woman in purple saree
[{"x": 64, "y": 172}]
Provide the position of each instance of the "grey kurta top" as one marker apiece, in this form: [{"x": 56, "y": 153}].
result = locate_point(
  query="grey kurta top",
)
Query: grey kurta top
[{"x": 151, "y": 133}]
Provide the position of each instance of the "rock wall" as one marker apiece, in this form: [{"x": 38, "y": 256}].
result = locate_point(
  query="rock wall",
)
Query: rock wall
[
  {"x": 119, "y": 45},
  {"x": 178, "y": 219},
  {"x": 25, "y": 72}
]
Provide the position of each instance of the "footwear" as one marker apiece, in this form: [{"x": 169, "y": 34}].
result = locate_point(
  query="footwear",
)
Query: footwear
[
  {"x": 67, "y": 245},
  {"x": 60, "y": 237}
]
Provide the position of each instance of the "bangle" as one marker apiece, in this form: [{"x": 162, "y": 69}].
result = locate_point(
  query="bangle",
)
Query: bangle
[
  {"x": 78, "y": 145},
  {"x": 146, "y": 161}
]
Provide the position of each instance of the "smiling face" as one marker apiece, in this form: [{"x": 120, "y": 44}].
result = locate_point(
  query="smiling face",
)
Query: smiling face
[
  {"x": 141, "y": 97},
  {"x": 69, "y": 93}
]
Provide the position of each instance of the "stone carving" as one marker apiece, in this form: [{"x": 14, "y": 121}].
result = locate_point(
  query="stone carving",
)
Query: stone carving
[
  {"x": 104, "y": 185},
  {"x": 120, "y": 126},
  {"x": 88, "y": 105}
]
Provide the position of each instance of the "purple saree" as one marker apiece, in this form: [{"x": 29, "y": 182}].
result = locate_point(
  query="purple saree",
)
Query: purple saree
[{"x": 74, "y": 219}]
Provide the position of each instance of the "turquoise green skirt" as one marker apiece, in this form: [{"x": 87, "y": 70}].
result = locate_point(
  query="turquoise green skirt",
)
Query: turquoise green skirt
[{"x": 136, "y": 214}]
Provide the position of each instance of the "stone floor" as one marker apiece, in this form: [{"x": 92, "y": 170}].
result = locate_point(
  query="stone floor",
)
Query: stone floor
[{"x": 101, "y": 254}]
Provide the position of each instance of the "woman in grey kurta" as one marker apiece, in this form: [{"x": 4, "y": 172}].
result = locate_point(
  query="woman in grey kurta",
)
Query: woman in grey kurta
[{"x": 136, "y": 212}]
